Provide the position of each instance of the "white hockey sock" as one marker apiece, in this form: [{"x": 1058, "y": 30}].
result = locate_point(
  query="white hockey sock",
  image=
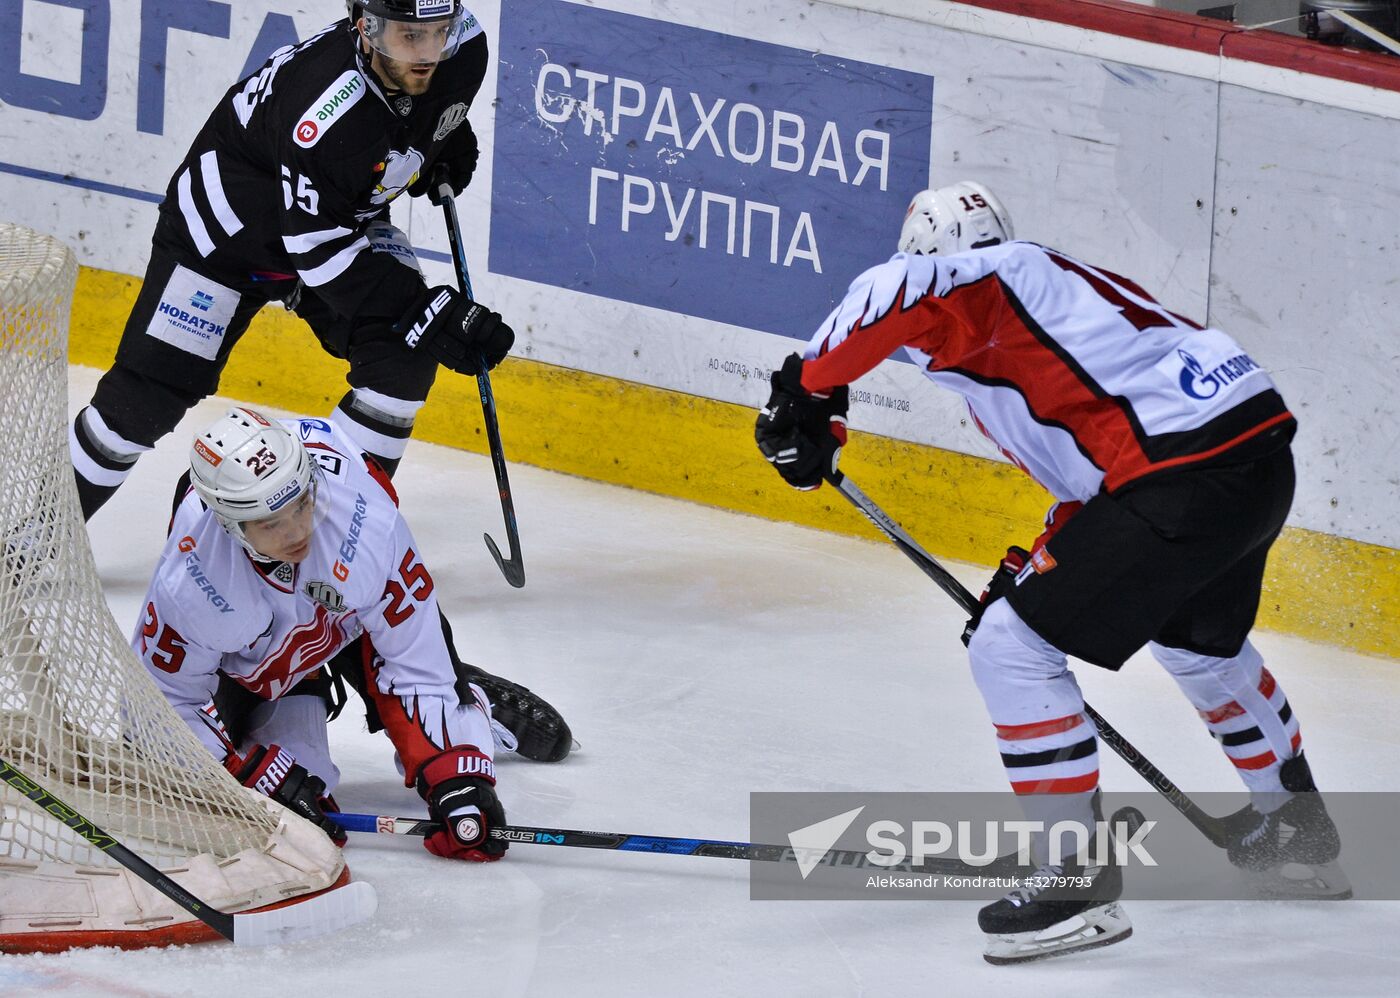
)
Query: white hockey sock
[{"x": 1244, "y": 709}]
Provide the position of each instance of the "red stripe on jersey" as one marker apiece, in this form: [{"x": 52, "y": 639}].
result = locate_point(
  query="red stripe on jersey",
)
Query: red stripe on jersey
[
  {"x": 1267, "y": 685},
  {"x": 304, "y": 648},
  {"x": 982, "y": 331},
  {"x": 377, "y": 472},
  {"x": 1038, "y": 729},
  {"x": 1057, "y": 391},
  {"x": 1114, "y": 480},
  {"x": 1063, "y": 785},
  {"x": 866, "y": 346},
  {"x": 405, "y": 730}
]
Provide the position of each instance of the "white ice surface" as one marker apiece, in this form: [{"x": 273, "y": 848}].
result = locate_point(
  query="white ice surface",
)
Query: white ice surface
[{"x": 700, "y": 655}]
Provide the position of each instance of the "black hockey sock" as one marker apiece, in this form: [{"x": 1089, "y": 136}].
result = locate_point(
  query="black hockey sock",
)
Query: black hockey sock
[
  {"x": 92, "y": 497},
  {"x": 97, "y": 470}
]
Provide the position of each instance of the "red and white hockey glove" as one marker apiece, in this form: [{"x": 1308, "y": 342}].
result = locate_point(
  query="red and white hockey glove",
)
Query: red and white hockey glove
[
  {"x": 801, "y": 434},
  {"x": 1003, "y": 580},
  {"x": 459, "y": 786},
  {"x": 270, "y": 770}
]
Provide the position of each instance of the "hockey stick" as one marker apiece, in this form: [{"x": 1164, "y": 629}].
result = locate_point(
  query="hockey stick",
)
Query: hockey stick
[
  {"x": 1210, "y": 826},
  {"x": 714, "y": 848},
  {"x": 513, "y": 568},
  {"x": 326, "y": 913}
]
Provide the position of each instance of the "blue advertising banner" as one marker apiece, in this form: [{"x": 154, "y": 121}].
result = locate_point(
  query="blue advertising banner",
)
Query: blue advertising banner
[{"x": 695, "y": 171}]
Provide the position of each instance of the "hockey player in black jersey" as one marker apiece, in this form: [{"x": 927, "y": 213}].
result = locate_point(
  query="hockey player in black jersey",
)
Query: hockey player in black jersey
[{"x": 284, "y": 196}]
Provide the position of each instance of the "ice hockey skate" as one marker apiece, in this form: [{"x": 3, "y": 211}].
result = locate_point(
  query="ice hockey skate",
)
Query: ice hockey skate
[
  {"x": 1058, "y": 909},
  {"x": 1061, "y": 908},
  {"x": 540, "y": 731},
  {"x": 1290, "y": 852}
]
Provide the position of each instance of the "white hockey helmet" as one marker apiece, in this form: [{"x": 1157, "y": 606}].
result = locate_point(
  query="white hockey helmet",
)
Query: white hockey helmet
[
  {"x": 247, "y": 467},
  {"x": 415, "y": 31},
  {"x": 953, "y": 219}
]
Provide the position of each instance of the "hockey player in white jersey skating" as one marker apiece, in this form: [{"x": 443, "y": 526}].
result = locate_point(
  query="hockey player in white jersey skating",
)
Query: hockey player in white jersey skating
[
  {"x": 288, "y": 566},
  {"x": 284, "y": 196},
  {"x": 1166, "y": 447}
]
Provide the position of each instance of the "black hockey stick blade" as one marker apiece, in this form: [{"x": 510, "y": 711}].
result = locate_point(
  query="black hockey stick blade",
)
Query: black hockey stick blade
[
  {"x": 1207, "y": 824},
  {"x": 513, "y": 568},
  {"x": 711, "y": 848},
  {"x": 325, "y": 913}
]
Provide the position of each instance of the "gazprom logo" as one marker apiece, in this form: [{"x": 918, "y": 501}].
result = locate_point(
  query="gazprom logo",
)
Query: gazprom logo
[{"x": 1199, "y": 383}]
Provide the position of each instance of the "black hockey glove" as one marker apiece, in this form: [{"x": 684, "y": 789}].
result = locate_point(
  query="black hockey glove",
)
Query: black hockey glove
[
  {"x": 463, "y": 335},
  {"x": 455, "y": 165},
  {"x": 1003, "y": 580},
  {"x": 459, "y": 786},
  {"x": 800, "y": 433},
  {"x": 271, "y": 771}
]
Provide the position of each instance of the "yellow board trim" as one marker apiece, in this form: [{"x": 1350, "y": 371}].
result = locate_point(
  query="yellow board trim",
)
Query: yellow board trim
[{"x": 1325, "y": 588}]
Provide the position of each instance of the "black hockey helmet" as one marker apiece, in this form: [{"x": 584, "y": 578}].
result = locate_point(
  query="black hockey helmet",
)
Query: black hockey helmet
[
  {"x": 407, "y": 10},
  {"x": 445, "y": 25}
]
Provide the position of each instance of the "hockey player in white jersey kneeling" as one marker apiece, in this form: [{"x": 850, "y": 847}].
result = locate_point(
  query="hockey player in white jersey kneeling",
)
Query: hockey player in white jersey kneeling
[{"x": 288, "y": 572}]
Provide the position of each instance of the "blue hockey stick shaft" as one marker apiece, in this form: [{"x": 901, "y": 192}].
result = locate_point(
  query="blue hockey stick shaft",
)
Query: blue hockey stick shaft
[{"x": 715, "y": 848}]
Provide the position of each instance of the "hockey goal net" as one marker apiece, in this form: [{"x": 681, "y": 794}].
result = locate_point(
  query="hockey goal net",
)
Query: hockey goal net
[{"x": 78, "y": 714}]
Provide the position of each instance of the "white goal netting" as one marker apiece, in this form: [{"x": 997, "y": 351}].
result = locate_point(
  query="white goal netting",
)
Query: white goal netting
[{"x": 78, "y": 714}]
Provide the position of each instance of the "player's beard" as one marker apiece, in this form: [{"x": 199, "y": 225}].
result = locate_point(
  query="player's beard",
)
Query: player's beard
[{"x": 400, "y": 75}]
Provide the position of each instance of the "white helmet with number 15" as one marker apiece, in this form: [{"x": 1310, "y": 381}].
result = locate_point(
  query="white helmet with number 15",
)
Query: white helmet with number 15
[
  {"x": 247, "y": 467},
  {"x": 953, "y": 219}
]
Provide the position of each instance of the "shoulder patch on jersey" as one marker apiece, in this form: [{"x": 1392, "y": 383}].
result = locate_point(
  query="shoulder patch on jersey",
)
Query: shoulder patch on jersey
[
  {"x": 306, "y": 426},
  {"x": 451, "y": 118},
  {"x": 338, "y": 98},
  {"x": 471, "y": 27},
  {"x": 326, "y": 594}
]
